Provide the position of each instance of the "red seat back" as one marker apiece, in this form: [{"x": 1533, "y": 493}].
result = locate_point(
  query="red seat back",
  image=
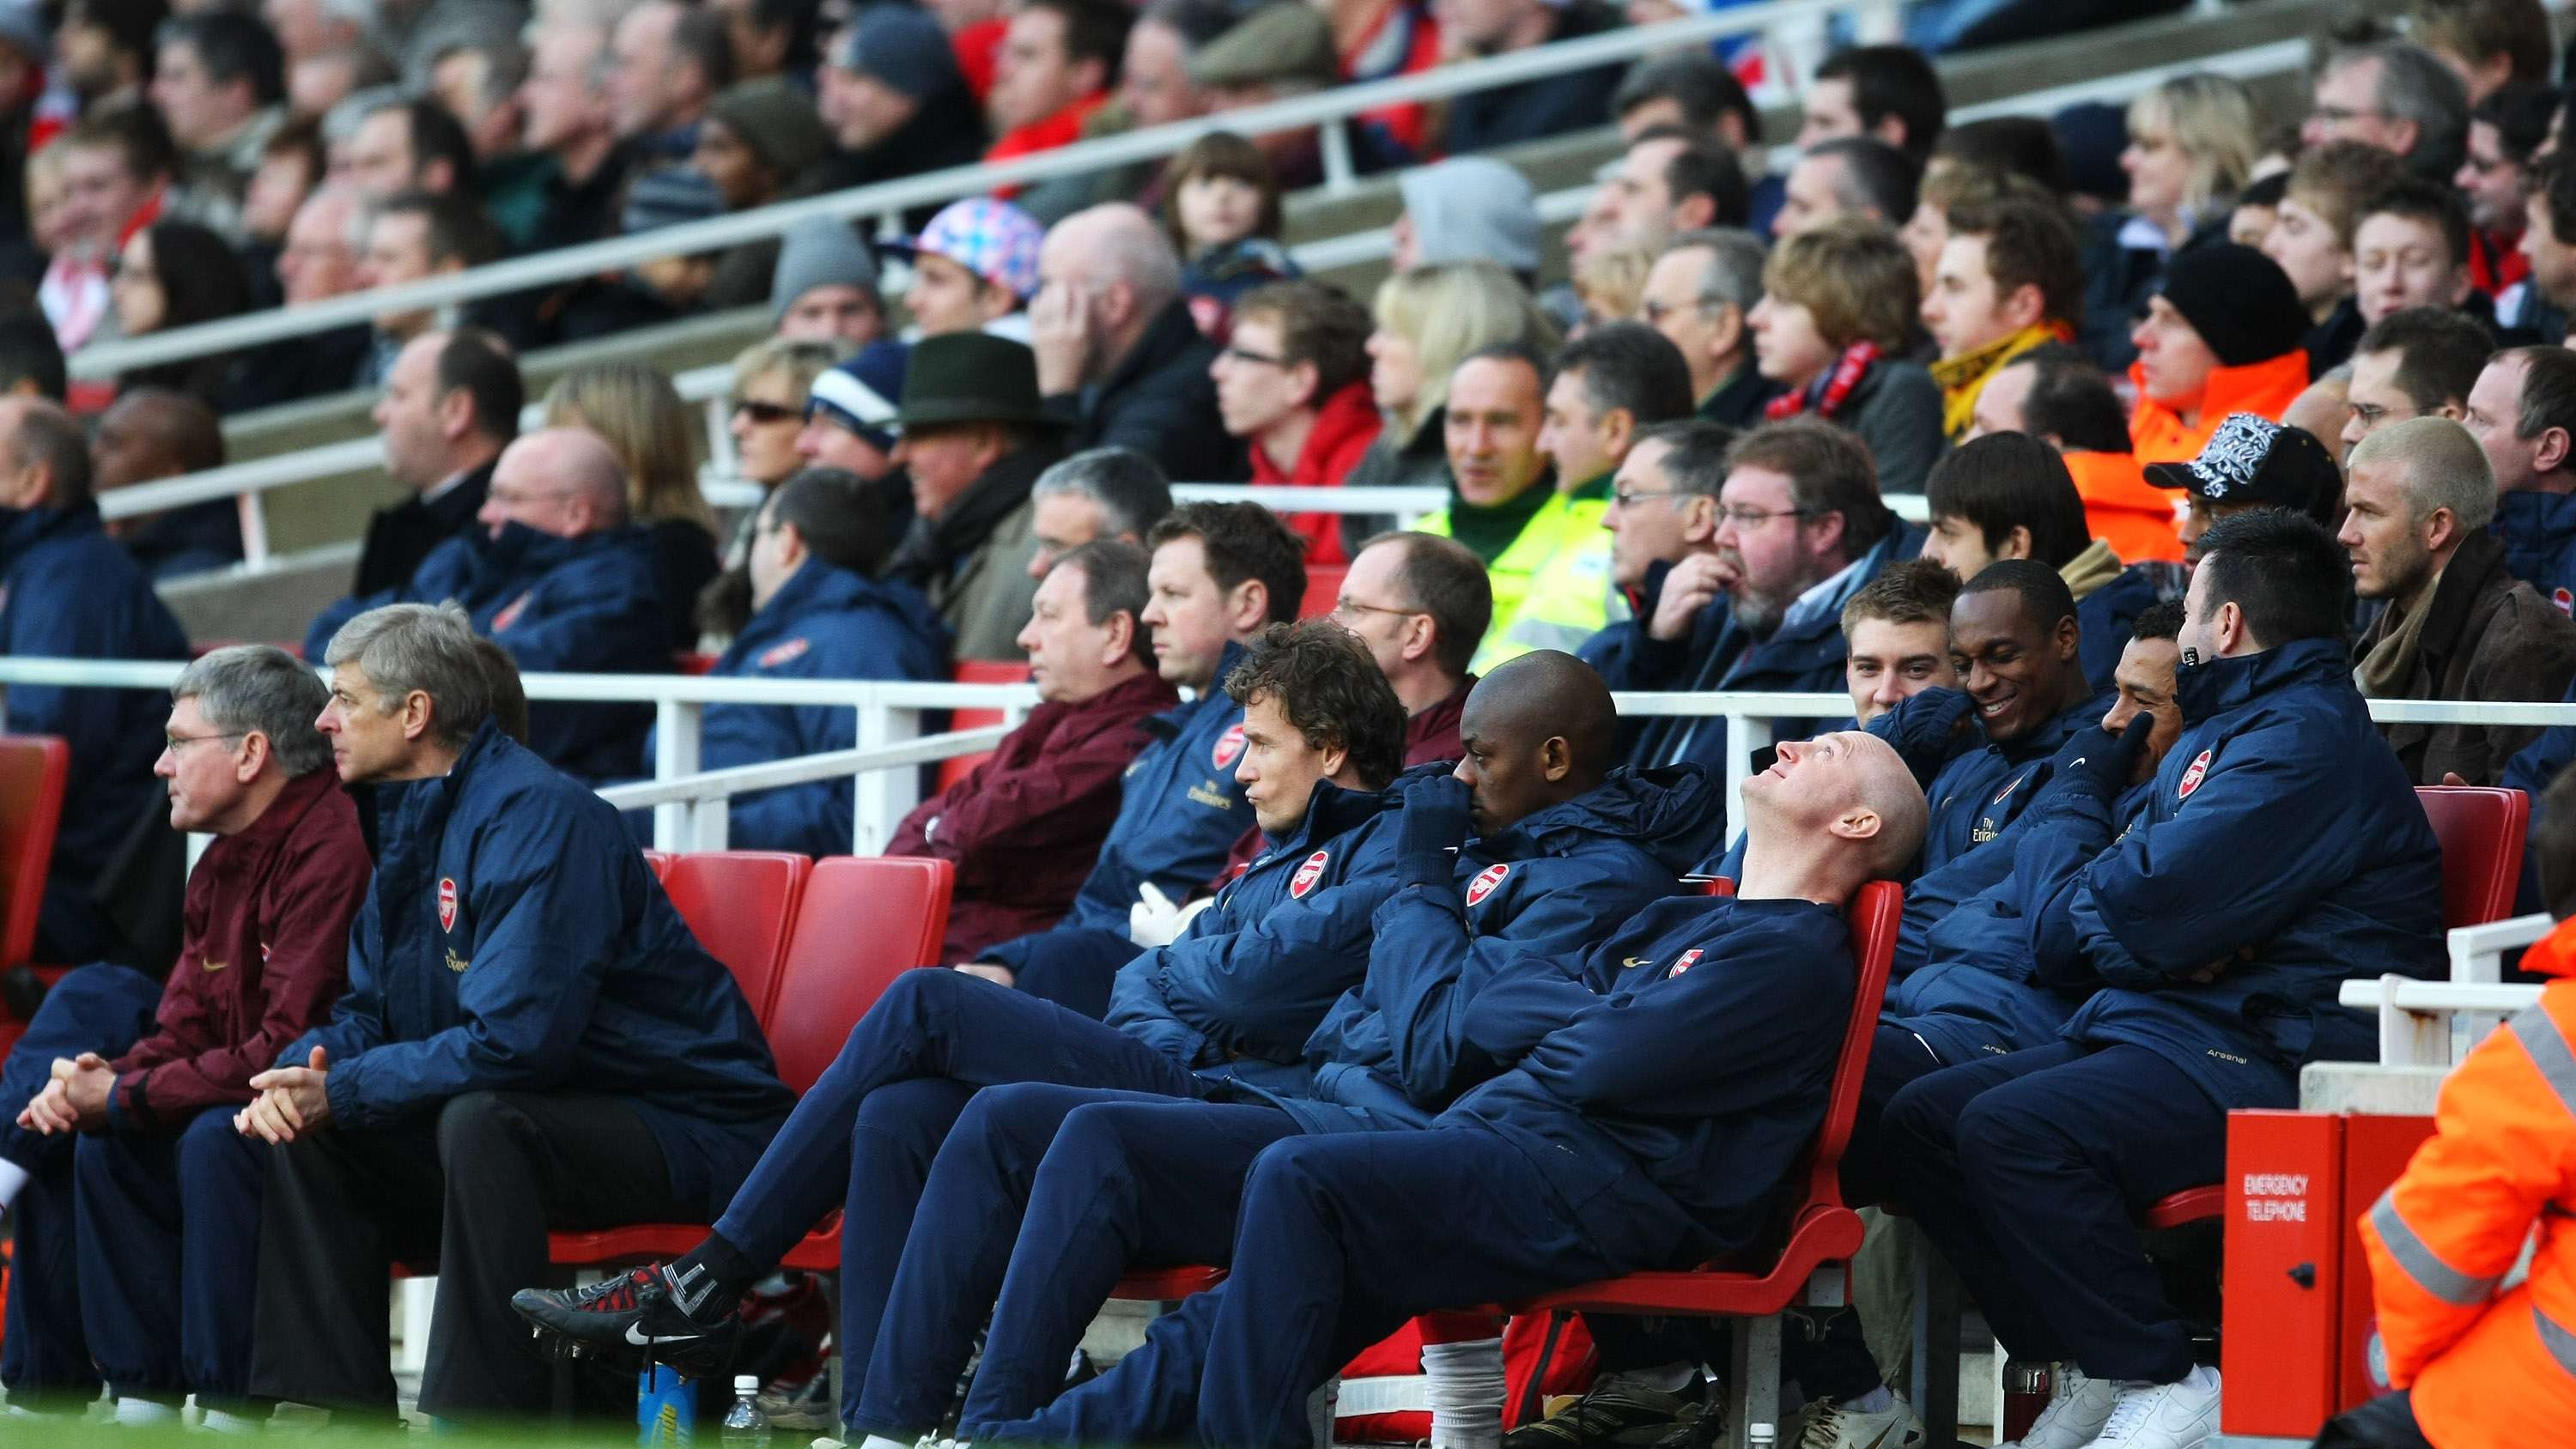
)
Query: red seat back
[
  {"x": 33, "y": 769},
  {"x": 864, "y": 920},
  {"x": 1873, "y": 913},
  {"x": 689, "y": 661},
  {"x": 976, "y": 671},
  {"x": 1323, "y": 590},
  {"x": 2481, "y": 830},
  {"x": 741, "y": 904}
]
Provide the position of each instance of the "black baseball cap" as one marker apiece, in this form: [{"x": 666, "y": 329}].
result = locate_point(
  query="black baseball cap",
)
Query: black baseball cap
[{"x": 2253, "y": 460}]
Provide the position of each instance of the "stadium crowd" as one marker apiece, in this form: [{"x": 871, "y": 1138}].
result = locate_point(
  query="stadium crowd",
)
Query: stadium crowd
[{"x": 1324, "y": 920}]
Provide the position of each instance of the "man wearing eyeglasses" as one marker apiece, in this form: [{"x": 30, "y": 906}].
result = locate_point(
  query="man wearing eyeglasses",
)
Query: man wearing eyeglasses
[
  {"x": 132, "y": 1208},
  {"x": 2397, "y": 97},
  {"x": 1420, "y": 604},
  {"x": 450, "y": 405},
  {"x": 1293, "y": 384}
]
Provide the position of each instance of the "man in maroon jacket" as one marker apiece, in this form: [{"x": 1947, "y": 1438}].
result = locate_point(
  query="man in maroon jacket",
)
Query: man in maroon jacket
[
  {"x": 124, "y": 1266},
  {"x": 1026, "y": 825}
]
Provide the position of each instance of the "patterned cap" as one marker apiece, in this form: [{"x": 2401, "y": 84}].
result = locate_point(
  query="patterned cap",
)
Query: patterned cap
[
  {"x": 993, "y": 239},
  {"x": 2252, "y": 460}
]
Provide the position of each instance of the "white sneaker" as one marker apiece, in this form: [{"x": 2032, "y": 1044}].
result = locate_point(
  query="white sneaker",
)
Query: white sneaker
[
  {"x": 2164, "y": 1416},
  {"x": 1832, "y": 1426},
  {"x": 2075, "y": 1413}
]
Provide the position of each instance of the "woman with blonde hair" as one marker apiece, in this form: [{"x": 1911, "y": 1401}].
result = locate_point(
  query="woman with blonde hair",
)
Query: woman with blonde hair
[
  {"x": 1836, "y": 316},
  {"x": 1429, "y": 320},
  {"x": 771, "y": 380},
  {"x": 636, "y": 411},
  {"x": 2192, "y": 144}
]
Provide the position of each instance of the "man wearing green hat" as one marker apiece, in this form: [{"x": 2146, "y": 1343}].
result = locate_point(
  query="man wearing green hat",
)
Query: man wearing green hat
[{"x": 974, "y": 437}]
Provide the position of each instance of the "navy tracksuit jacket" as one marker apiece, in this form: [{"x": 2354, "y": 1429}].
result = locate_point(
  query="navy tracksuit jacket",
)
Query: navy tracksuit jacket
[
  {"x": 2106, "y": 614},
  {"x": 590, "y": 605},
  {"x": 2279, "y": 846},
  {"x": 1657, "y": 1125},
  {"x": 2539, "y": 533},
  {"x": 1180, "y": 811},
  {"x": 1043, "y": 1197},
  {"x": 68, "y": 591},
  {"x": 823, "y": 623}
]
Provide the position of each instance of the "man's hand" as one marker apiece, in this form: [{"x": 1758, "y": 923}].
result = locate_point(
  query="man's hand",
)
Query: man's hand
[
  {"x": 2096, "y": 761},
  {"x": 998, "y": 975},
  {"x": 1435, "y": 823},
  {"x": 2452, "y": 779},
  {"x": 1060, "y": 335},
  {"x": 74, "y": 1100},
  {"x": 1692, "y": 585},
  {"x": 292, "y": 1102}
]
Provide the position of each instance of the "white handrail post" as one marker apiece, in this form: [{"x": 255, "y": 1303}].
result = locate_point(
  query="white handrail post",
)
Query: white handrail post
[
  {"x": 1341, "y": 176},
  {"x": 1745, "y": 733},
  {"x": 884, "y": 796},
  {"x": 253, "y": 507},
  {"x": 675, "y": 753}
]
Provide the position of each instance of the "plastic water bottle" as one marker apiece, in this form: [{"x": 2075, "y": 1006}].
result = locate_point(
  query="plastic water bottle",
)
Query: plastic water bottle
[{"x": 745, "y": 1427}]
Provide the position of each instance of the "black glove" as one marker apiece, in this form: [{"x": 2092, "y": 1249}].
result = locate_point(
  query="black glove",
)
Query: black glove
[
  {"x": 1929, "y": 730},
  {"x": 1435, "y": 822},
  {"x": 2098, "y": 762}
]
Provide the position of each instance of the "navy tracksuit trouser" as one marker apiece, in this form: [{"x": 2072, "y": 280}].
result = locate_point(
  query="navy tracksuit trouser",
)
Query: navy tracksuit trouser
[
  {"x": 2029, "y": 1171},
  {"x": 1341, "y": 1239},
  {"x": 1042, "y": 1198},
  {"x": 1073, "y": 967},
  {"x": 862, "y": 1138}
]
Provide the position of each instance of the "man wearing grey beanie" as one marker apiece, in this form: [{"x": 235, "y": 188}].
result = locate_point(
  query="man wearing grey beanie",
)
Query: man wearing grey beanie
[{"x": 825, "y": 286}]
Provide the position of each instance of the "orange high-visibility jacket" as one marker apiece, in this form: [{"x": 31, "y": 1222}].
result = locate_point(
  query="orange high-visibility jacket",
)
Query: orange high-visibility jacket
[
  {"x": 2137, "y": 518},
  {"x": 2266, "y": 389},
  {"x": 2490, "y": 1364}
]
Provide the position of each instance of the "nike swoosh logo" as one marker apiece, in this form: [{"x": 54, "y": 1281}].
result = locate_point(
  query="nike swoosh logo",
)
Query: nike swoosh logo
[
  {"x": 646, "y": 1340},
  {"x": 1634, "y": 961}
]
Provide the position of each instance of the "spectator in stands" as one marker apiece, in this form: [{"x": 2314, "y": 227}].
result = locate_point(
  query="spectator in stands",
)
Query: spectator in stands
[
  {"x": 974, "y": 267},
  {"x": 666, "y": 64},
  {"x": 1057, "y": 65},
  {"x": 817, "y": 612},
  {"x": 824, "y": 286},
  {"x": 449, "y": 407},
  {"x": 1667, "y": 183},
  {"x": 31, "y": 362},
  {"x": 1928, "y": 229},
  {"x": 2397, "y": 97},
  {"x": 2149, "y": 1067},
  {"x": 1853, "y": 177},
  {"x": 128, "y": 1087},
  {"x": 318, "y": 85},
  {"x": 2419, "y": 363},
  {"x": 1024, "y": 825},
  {"x": 1420, "y": 604},
  {"x": 1888, "y": 93},
  {"x": 773, "y": 386},
  {"x": 2549, "y": 241},
  {"x": 412, "y": 145},
  {"x": 2495, "y": 181},
  {"x": 2489, "y": 43},
  {"x": 218, "y": 83},
  {"x": 116, "y": 176},
  {"x": 393, "y": 1135},
  {"x": 2221, "y": 335},
  {"x": 175, "y": 274},
  {"x": 2251, "y": 463},
  {"x": 1220, "y": 573},
  {"x": 849, "y": 413},
  {"x": 1315, "y": 1212},
  {"x": 1897, "y": 631},
  {"x": 291, "y": 168},
  {"x": 633, "y": 407},
  {"x": 2010, "y": 496},
  {"x": 2522, "y": 410},
  {"x": 1154, "y": 83},
  {"x": 1495, "y": 408},
  {"x": 475, "y": 75},
  {"x": 1552, "y": 585},
  {"x": 1381, "y": 40},
  {"x": 1698, "y": 295},
  {"x": 152, "y": 433},
  {"x": 1832, "y": 329},
  {"x": 1114, "y": 494},
  {"x": 759, "y": 144},
  {"x": 558, "y": 576},
  {"x": 1225, "y": 220},
  {"x": 2064, "y": 403},
  {"x": 71, "y": 593},
  {"x": 1464, "y": 209},
  {"x": 1292, "y": 383},
  {"x": 2457, "y": 625},
  {"x": 1528, "y": 110},
  {"x": 1609, "y": 287},
  {"x": 411, "y": 238},
  {"x": 2411, "y": 249},
  {"x": 1430, "y": 319},
  {"x": 105, "y": 49},
  {"x": 2312, "y": 239},
  {"x": 1758, "y": 604},
  {"x": 568, "y": 119},
  {"x": 1663, "y": 502},
  {"x": 892, "y": 93},
  {"x": 1120, "y": 362},
  {"x": 320, "y": 258},
  {"x": 2010, "y": 278},
  {"x": 1273, "y": 54},
  {"x": 974, "y": 437},
  {"x": 2191, "y": 150}
]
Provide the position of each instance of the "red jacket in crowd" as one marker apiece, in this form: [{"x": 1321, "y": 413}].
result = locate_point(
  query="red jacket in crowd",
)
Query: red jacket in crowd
[
  {"x": 266, "y": 954},
  {"x": 1344, "y": 428},
  {"x": 1024, "y": 827}
]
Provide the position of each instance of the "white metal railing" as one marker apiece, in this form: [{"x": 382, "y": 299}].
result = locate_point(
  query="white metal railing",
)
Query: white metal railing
[
  {"x": 1795, "y": 25},
  {"x": 2434, "y": 1023}
]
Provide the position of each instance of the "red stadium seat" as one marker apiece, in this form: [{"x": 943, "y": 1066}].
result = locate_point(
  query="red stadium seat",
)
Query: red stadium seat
[
  {"x": 858, "y": 923},
  {"x": 33, "y": 769},
  {"x": 976, "y": 671},
  {"x": 1323, "y": 590},
  {"x": 741, "y": 904},
  {"x": 689, "y": 661}
]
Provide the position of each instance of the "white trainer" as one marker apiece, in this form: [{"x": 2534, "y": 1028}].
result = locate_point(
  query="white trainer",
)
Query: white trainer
[
  {"x": 1833, "y": 1426},
  {"x": 2075, "y": 1414},
  {"x": 2180, "y": 1415}
]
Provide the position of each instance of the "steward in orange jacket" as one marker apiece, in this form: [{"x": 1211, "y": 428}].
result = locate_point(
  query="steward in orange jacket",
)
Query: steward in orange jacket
[{"x": 2221, "y": 336}]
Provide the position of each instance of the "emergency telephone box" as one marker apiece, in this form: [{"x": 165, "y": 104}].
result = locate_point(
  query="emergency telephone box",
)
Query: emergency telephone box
[{"x": 2299, "y": 1343}]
